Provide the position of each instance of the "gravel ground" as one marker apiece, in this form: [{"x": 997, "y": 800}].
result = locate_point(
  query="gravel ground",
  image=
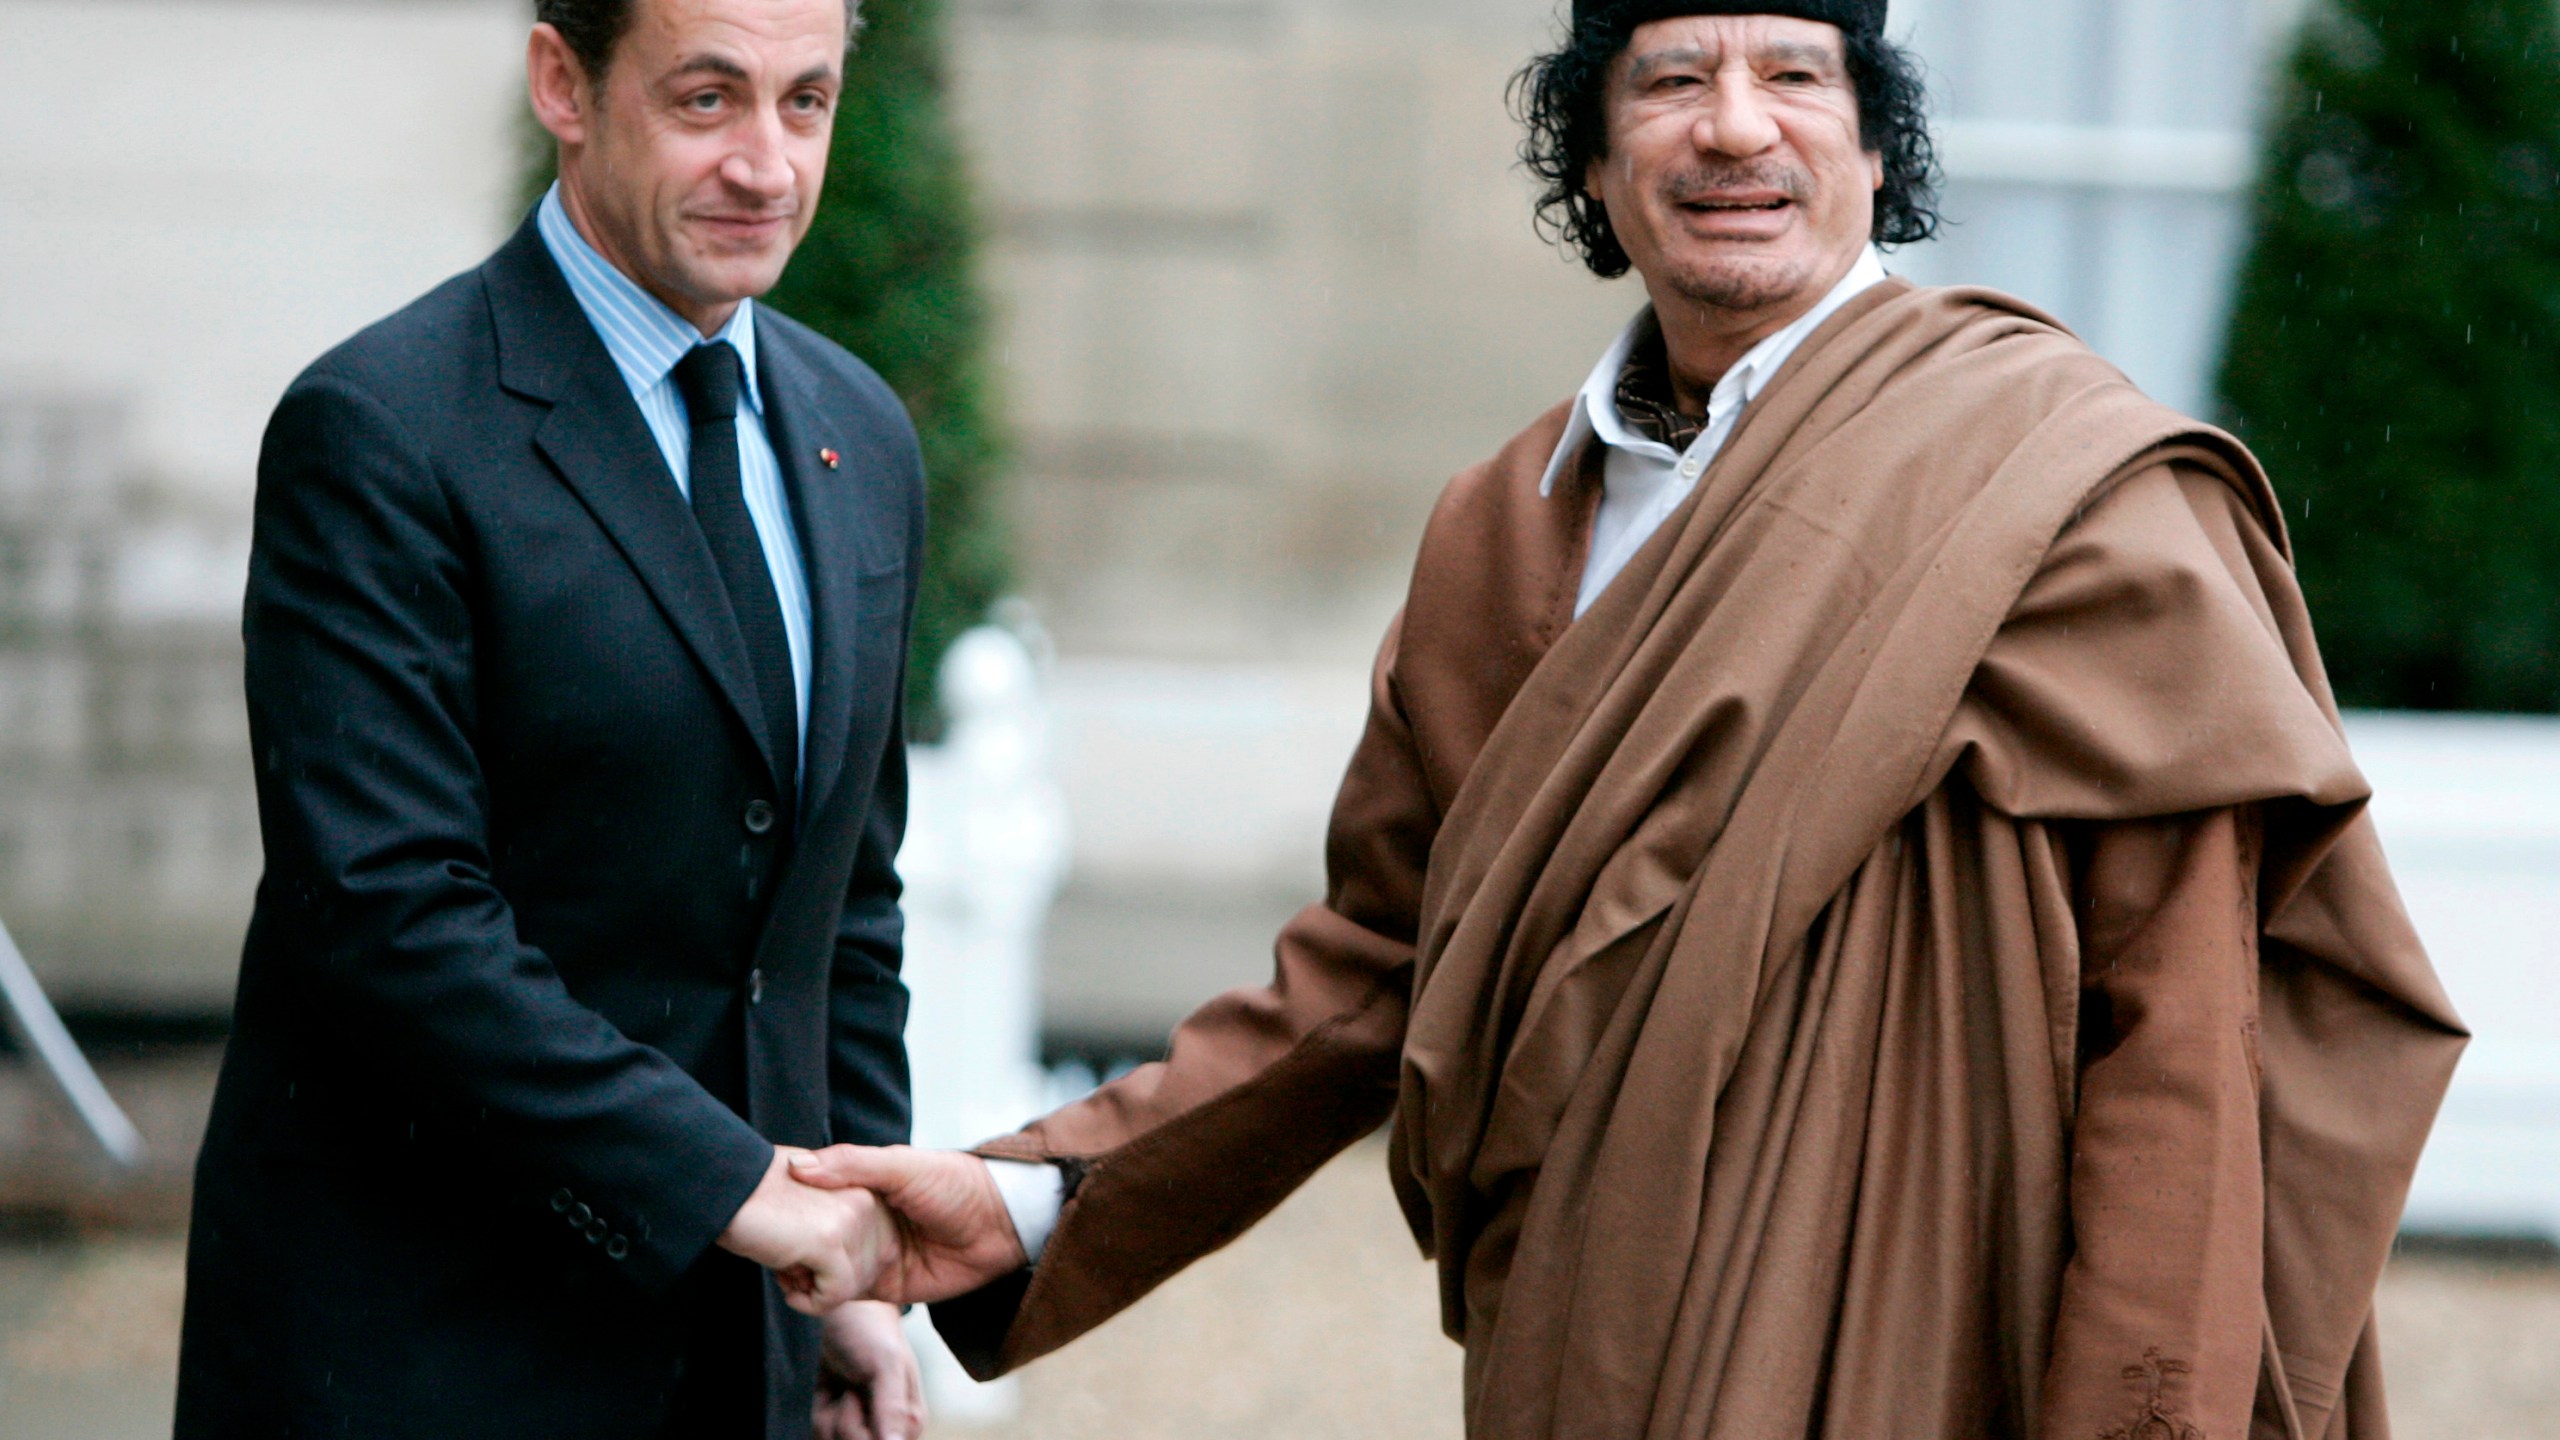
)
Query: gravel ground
[
  {"x": 1320, "y": 1324},
  {"x": 1323, "y": 1323},
  {"x": 89, "y": 1337},
  {"x": 2473, "y": 1350}
]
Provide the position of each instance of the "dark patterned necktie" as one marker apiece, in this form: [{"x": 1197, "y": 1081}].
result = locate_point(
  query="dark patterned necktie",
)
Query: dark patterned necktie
[{"x": 710, "y": 379}]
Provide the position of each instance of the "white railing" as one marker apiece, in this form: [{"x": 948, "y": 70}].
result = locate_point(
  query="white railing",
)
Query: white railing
[
  {"x": 2469, "y": 809},
  {"x": 2102, "y": 157}
]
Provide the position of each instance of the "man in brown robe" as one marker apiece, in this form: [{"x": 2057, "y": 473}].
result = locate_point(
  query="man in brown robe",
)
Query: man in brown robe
[{"x": 1853, "y": 893}]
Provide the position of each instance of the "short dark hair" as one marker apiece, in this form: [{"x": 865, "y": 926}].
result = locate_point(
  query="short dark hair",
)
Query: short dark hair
[
  {"x": 1563, "y": 98},
  {"x": 594, "y": 27}
]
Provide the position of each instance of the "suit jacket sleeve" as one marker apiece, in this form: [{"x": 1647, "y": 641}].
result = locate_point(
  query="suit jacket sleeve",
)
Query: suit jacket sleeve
[
  {"x": 869, "y": 1098},
  {"x": 359, "y": 630},
  {"x": 1261, "y": 1087}
]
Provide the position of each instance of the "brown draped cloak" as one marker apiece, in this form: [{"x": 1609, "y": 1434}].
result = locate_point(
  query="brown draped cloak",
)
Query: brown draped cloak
[{"x": 1911, "y": 961}]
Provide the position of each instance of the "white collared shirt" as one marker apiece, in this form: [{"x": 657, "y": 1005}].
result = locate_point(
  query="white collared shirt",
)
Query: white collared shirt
[
  {"x": 646, "y": 340},
  {"x": 1645, "y": 480}
]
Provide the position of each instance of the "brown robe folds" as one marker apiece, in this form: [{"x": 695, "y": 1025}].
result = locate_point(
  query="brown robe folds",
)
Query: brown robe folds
[{"x": 1911, "y": 961}]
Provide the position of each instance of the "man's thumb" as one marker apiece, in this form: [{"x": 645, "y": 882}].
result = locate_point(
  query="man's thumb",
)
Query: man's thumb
[{"x": 845, "y": 1167}]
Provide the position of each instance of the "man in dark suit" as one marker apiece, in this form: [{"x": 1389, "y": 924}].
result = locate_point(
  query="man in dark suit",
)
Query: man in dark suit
[{"x": 576, "y": 626}]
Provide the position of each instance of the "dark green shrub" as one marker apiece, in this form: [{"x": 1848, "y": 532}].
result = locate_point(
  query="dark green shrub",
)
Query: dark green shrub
[
  {"x": 2394, "y": 354},
  {"x": 888, "y": 272}
]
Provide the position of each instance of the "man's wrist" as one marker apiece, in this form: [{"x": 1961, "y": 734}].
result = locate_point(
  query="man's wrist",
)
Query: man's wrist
[
  {"x": 738, "y": 1235},
  {"x": 1034, "y": 1193}
]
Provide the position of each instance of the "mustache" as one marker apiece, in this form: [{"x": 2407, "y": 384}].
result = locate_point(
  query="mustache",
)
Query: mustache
[{"x": 1705, "y": 182}]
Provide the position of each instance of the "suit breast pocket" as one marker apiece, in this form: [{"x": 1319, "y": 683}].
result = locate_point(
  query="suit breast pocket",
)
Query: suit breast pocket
[
  {"x": 879, "y": 604},
  {"x": 877, "y": 642}
]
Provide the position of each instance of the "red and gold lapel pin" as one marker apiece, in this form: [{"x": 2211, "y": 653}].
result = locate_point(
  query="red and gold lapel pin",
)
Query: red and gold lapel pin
[{"x": 830, "y": 459}]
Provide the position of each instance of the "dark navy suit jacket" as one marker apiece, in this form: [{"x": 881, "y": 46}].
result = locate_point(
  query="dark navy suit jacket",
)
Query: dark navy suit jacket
[{"x": 529, "y": 994}]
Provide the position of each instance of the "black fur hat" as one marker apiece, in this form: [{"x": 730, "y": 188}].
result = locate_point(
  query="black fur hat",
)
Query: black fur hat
[{"x": 1854, "y": 16}]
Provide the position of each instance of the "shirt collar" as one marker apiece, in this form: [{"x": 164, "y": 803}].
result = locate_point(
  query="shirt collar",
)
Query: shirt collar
[
  {"x": 644, "y": 336},
  {"x": 1595, "y": 410}
]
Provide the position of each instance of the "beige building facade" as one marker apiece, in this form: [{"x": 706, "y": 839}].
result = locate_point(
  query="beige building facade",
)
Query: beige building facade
[
  {"x": 1268, "y": 279},
  {"x": 196, "y": 200},
  {"x": 1269, "y": 275},
  {"x": 1265, "y": 277}
]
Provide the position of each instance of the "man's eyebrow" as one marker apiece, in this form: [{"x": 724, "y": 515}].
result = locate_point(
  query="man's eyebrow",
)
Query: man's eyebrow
[
  {"x": 1777, "y": 52},
  {"x": 815, "y": 75},
  {"x": 720, "y": 65},
  {"x": 1797, "y": 52},
  {"x": 1653, "y": 60}
]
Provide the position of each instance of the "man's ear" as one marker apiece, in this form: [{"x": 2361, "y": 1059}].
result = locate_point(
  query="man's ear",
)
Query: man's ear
[
  {"x": 1875, "y": 170},
  {"x": 557, "y": 86},
  {"x": 1595, "y": 180}
]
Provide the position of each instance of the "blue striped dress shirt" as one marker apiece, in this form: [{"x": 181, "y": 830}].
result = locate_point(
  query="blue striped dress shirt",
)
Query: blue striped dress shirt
[{"x": 646, "y": 339}]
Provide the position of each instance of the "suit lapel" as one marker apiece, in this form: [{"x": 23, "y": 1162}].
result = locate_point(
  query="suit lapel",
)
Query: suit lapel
[
  {"x": 597, "y": 440},
  {"x": 827, "y": 508}
]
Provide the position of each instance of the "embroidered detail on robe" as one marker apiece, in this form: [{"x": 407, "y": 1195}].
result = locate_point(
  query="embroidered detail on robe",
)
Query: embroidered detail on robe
[{"x": 2158, "y": 1419}]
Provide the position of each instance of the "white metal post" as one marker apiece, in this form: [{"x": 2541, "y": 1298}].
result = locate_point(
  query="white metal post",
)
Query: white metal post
[{"x": 40, "y": 1032}]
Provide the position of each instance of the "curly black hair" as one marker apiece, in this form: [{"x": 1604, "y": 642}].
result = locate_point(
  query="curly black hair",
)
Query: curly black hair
[{"x": 1563, "y": 98}]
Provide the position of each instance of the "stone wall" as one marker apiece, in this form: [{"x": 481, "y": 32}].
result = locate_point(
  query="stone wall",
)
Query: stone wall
[
  {"x": 1269, "y": 276},
  {"x": 128, "y": 833},
  {"x": 1268, "y": 279},
  {"x": 216, "y": 194},
  {"x": 1265, "y": 278}
]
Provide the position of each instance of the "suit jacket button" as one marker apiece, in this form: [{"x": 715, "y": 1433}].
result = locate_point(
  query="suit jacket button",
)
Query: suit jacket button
[
  {"x": 760, "y": 817},
  {"x": 755, "y": 987},
  {"x": 561, "y": 1201},
  {"x": 597, "y": 1230},
  {"x": 618, "y": 1248},
  {"x": 579, "y": 1215}
]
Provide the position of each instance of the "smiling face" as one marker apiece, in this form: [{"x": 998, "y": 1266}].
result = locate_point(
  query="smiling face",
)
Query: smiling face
[
  {"x": 1735, "y": 177},
  {"x": 695, "y": 166}
]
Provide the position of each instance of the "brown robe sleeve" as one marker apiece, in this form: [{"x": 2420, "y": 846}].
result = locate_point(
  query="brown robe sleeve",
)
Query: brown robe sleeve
[
  {"x": 2263, "y": 1042},
  {"x": 2162, "y": 1311},
  {"x": 1263, "y": 1086},
  {"x": 1260, "y": 1088}
]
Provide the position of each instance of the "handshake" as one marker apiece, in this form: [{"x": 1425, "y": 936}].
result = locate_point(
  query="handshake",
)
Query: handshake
[{"x": 898, "y": 1225}]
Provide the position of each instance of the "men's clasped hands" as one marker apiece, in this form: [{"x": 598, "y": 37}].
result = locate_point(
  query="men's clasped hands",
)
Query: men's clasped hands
[{"x": 853, "y": 1223}]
